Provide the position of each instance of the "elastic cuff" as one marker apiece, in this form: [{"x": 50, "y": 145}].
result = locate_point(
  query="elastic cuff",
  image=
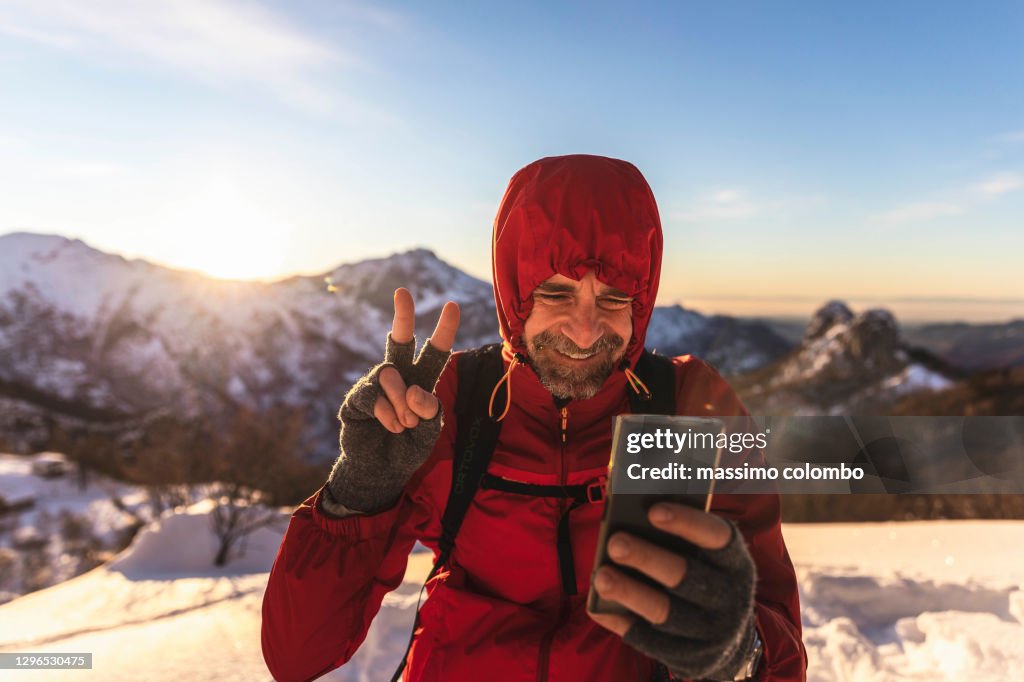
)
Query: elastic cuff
[
  {"x": 358, "y": 526},
  {"x": 332, "y": 508},
  {"x": 735, "y": 660}
]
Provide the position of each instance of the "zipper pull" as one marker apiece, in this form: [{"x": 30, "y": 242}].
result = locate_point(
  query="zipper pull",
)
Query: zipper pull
[{"x": 565, "y": 419}]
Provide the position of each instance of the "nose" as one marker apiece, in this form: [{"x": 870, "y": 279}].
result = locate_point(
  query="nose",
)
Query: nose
[{"x": 584, "y": 326}]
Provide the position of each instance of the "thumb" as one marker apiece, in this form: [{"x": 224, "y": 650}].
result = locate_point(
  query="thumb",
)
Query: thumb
[{"x": 423, "y": 404}]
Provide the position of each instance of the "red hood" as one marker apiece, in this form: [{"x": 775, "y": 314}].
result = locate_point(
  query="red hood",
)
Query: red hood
[{"x": 567, "y": 215}]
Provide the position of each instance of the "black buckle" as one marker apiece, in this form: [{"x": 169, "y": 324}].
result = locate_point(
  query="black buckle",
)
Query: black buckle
[{"x": 596, "y": 492}]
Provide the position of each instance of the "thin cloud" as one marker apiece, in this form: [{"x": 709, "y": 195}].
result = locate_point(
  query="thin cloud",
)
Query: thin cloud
[
  {"x": 86, "y": 169},
  {"x": 727, "y": 196},
  {"x": 733, "y": 204},
  {"x": 720, "y": 205},
  {"x": 919, "y": 211},
  {"x": 47, "y": 38},
  {"x": 959, "y": 203},
  {"x": 1013, "y": 137},
  {"x": 211, "y": 40},
  {"x": 1000, "y": 184}
]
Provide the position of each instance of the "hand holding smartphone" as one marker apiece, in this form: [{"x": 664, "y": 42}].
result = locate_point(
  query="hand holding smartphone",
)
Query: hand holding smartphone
[{"x": 629, "y": 500}]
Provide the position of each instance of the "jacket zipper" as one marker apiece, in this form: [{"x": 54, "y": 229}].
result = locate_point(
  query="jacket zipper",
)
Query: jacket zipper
[
  {"x": 544, "y": 656},
  {"x": 565, "y": 464}
]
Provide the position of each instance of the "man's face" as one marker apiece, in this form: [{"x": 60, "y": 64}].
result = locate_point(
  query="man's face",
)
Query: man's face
[{"x": 577, "y": 333}]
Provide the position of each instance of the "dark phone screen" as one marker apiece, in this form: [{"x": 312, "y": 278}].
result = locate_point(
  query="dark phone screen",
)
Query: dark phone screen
[{"x": 628, "y": 511}]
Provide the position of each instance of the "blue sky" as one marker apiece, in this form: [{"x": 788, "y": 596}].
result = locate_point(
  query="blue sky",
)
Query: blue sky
[{"x": 799, "y": 151}]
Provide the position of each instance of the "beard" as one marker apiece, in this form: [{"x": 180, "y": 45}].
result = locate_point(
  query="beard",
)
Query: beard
[{"x": 563, "y": 377}]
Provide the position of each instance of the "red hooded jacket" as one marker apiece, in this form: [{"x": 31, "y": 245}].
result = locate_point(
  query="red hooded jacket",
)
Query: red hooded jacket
[{"x": 500, "y": 613}]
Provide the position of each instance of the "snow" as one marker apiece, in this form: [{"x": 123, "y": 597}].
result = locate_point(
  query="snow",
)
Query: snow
[
  {"x": 16, "y": 479},
  {"x": 127, "y": 335},
  {"x": 68, "y": 270},
  {"x": 916, "y": 377},
  {"x": 188, "y": 531},
  {"x": 136, "y": 628},
  {"x": 911, "y": 601},
  {"x": 55, "y": 495},
  {"x": 882, "y": 602},
  {"x": 675, "y": 322},
  {"x": 161, "y": 610},
  {"x": 816, "y": 355}
]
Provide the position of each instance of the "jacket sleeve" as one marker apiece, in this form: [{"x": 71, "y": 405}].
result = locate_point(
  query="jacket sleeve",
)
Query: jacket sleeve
[
  {"x": 331, "y": 574},
  {"x": 702, "y": 391}
]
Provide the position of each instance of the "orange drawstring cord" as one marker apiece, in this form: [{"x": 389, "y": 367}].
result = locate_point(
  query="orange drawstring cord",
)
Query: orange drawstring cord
[
  {"x": 639, "y": 387},
  {"x": 507, "y": 380}
]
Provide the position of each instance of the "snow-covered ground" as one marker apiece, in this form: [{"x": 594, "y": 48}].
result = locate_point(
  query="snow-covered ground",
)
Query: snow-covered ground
[
  {"x": 61, "y": 528},
  {"x": 881, "y": 602},
  {"x": 160, "y": 611},
  {"x": 930, "y": 600}
]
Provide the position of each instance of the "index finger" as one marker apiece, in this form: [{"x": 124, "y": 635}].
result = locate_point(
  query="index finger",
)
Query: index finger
[
  {"x": 444, "y": 334},
  {"x": 404, "y": 325},
  {"x": 699, "y": 527}
]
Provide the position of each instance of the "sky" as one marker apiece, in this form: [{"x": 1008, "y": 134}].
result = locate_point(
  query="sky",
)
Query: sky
[{"x": 872, "y": 152}]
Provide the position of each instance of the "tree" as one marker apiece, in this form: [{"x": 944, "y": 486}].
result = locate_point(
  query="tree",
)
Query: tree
[
  {"x": 91, "y": 449},
  {"x": 170, "y": 459},
  {"x": 257, "y": 465}
]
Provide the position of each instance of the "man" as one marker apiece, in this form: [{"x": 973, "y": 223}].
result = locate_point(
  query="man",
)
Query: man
[{"x": 576, "y": 262}]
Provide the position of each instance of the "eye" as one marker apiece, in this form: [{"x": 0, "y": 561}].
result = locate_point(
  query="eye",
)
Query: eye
[
  {"x": 553, "y": 298},
  {"x": 614, "y": 302}
]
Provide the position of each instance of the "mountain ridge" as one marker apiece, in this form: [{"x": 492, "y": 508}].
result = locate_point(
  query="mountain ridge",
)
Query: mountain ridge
[
  {"x": 846, "y": 363},
  {"x": 85, "y": 333}
]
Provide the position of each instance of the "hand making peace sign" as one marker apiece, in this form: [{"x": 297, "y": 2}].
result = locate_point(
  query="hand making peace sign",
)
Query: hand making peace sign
[
  {"x": 407, "y": 385},
  {"x": 390, "y": 418}
]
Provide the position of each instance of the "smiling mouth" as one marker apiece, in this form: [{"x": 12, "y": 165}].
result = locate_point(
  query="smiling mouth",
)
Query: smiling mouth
[{"x": 578, "y": 357}]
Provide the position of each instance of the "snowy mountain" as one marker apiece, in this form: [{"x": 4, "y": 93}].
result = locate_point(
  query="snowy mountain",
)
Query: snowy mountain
[
  {"x": 846, "y": 364},
  {"x": 732, "y": 345},
  {"x": 90, "y": 339}
]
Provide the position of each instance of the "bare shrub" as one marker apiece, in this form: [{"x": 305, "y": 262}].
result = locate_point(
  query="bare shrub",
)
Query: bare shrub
[{"x": 257, "y": 465}]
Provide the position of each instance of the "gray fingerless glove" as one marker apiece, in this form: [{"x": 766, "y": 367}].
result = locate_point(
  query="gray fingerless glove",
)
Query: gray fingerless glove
[
  {"x": 709, "y": 633},
  {"x": 375, "y": 464}
]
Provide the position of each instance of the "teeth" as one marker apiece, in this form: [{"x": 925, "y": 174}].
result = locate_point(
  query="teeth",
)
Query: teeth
[{"x": 578, "y": 356}]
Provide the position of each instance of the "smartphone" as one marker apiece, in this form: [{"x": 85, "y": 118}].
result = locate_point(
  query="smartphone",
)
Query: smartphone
[{"x": 627, "y": 511}]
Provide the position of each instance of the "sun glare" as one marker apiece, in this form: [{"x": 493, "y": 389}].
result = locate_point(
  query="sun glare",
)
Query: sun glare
[
  {"x": 229, "y": 253},
  {"x": 227, "y": 234}
]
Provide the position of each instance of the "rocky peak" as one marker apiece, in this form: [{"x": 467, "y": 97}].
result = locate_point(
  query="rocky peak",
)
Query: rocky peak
[
  {"x": 828, "y": 316},
  {"x": 842, "y": 347},
  {"x": 874, "y": 339}
]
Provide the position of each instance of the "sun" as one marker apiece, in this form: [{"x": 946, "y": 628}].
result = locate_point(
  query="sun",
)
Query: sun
[
  {"x": 226, "y": 233},
  {"x": 238, "y": 254}
]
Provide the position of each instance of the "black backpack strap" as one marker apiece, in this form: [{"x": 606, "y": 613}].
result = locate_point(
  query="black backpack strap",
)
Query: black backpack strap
[
  {"x": 659, "y": 375},
  {"x": 582, "y": 493},
  {"x": 479, "y": 370}
]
